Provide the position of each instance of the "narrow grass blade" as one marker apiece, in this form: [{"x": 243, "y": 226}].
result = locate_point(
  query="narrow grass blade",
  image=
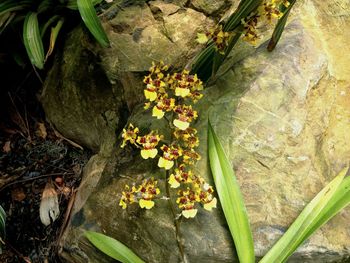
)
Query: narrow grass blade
[
  {"x": 49, "y": 22},
  {"x": 89, "y": 16},
  {"x": 11, "y": 6},
  {"x": 230, "y": 198},
  {"x": 203, "y": 63},
  {"x": 73, "y": 5},
  {"x": 54, "y": 33},
  {"x": 324, "y": 206},
  {"x": 32, "y": 40},
  {"x": 112, "y": 247},
  {"x": 219, "y": 59},
  {"x": 244, "y": 9},
  {"x": 5, "y": 20},
  {"x": 277, "y": 33},
  {"x": 2, "y": 222}
]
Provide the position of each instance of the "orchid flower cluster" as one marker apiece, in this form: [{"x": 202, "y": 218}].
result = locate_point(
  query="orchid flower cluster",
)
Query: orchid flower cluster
[
  {"x": 268, "y": 11},
  {"x": 171, "y": 94}
]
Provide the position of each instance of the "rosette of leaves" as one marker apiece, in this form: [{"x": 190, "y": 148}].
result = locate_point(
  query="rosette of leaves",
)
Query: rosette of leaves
[{"x": 39, "y": 23}]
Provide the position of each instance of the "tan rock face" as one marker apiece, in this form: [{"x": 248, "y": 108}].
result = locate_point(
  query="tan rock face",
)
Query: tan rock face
[{"x": 283, "y": 117}]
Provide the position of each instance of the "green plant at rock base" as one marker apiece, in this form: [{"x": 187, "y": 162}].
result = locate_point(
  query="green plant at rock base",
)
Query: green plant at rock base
[
  {"x": 2, "y": 227},
  {"x": 326, "y": 204},
  {"x": 243, "y": 22},
  {"x": 33, "y": 18},
  {"x": 231, "y": 199},
  {"x": 112, "y": 248}
]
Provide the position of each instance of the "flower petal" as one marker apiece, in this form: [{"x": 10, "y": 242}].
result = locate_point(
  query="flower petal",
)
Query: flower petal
[
  {"x": 173, "y": 182},
  {"x": 191, "y": 213},
  {"x": 182, "y": 125},
  {"x": 149, "y": 153},
  {"x": 182, "y": 92},
  {"x": 150, "y": 95},
  {"x": 148, "y": 204},
  {"x": 212, "y": 204},
  {"x": 157, "y": 112},
  {"x": 164, "y": 163}
]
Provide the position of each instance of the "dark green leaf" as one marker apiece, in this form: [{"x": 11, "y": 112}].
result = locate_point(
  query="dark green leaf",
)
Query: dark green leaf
[
  {"x": 92, "y": 22},
  {"x": 54, "y": 33},
  {"x": 277, "y": 33},
  {"x": 244, "y": 9},
  {"x": 2, "y": 222},
  {"x": 47, "y": 24},
  {"x": 72, "y": 4},
  {"x": 32, "y": 40},
  {"x": 11, "y": 6}
]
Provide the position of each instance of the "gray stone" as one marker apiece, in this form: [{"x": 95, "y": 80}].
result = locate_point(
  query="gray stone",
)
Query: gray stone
[{"x": 283, "y": 118}]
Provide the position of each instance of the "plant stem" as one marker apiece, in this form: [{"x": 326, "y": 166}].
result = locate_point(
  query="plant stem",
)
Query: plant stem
[{"x": 176, "y": 221}]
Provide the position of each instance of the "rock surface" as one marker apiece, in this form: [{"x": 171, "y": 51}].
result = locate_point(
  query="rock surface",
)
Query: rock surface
[{"x": 283, "y": 118}]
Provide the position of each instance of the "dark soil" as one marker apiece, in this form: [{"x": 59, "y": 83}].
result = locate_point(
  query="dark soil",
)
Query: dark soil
[{"x": 32, "y": 154}]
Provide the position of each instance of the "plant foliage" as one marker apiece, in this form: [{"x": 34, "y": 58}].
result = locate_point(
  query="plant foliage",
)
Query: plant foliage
[
  {"x": 230, "y": 198},
  {"x": 33, "y": 18},
  {"x": 112, "y": 247},
  {"x": 2, "y": 226},
  {"x": 326, "y": 204}
]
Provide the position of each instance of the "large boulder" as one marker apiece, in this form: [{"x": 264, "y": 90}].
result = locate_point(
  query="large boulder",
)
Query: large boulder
[{"x": 283, "y": 118}]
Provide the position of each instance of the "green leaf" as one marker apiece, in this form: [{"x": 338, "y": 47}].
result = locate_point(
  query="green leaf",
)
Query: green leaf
[
  {"x": 32, "y": 40},
  {"x": 230, "y": 198},
  {"x": 112, "y": 248},
  {"x": 220, "y": 59},
  {"x": 72, "y": 4},
  {"x": 54, "y": 33},
  {"x": 277, "y": 33},
  {"x": 52, "y": 20},
  {"x": 327, "y": 203},
  {"x": 244, "y": 9},
  {"x": 45, "y": 6},
  {"x": 203, "y": 62},
  {"x": 12, "y": 6},
  {"x": 88, "y": 14},
  {"x": 2, "y": 222}
]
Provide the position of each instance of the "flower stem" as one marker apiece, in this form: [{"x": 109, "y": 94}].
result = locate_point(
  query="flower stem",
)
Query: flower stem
[{"x": 176, "y": 221}]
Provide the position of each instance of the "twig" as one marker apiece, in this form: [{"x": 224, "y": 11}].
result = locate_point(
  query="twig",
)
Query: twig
[{"x": 33, "y": 178}]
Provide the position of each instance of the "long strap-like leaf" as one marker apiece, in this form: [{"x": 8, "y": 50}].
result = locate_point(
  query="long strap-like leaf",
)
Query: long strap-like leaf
[
  {"x": 32, "y": 40},
  {"x": 11, "y": 6},
  {"x": 92, "y": 22},
  {"x": 277, "y": 33},
  {"x": 2, "y": 222},
  {"x": 112, "y": 248},
  {"x": 324, "y": 206},
  {"x": 230, "y": 198}
]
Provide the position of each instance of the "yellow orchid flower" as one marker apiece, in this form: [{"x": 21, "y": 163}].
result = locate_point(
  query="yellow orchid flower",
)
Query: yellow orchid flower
[
  {"x": 149, "y": 153},
  {"x": 164, "y": 163},
  {"x": 173, "y": 182},
  {"x": 148, "y": 204},
  {"x": 157, "y": 112},
  {"x": 150, "y": 95},
  {"x": 191, "y": 213},
  {"x": 182, "y": 125},
  {"x": 212, "y": 204},
  {"x": 182, "y": 92}
]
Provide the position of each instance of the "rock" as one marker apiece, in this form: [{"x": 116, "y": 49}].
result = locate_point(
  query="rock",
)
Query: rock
[
  {"x": 78, "y": 99},
  {"x": 210, "y": 6},
  {"x": 283, "y": 118},
  {"x": 90, "y": 113}
]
